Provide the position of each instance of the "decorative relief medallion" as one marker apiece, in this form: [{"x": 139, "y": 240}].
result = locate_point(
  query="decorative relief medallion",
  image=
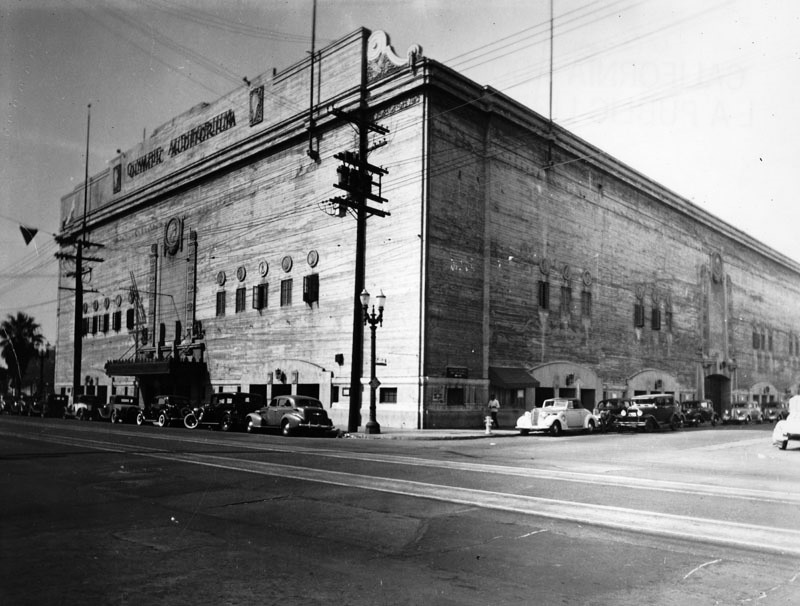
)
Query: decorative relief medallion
[
  {"x": 106, "y": 303},
  {"x": 587, "y": 278},
  {"x": 263, "y": 268},
  {"x": 639, "y": 291},
  {"x": 221, "y": 278},
  {"x": 566, "y": 272},
  {"x": 256, "y": 105},
  {"x": 172, "y": 235},
  {"x": 95, "y": 305},
  {"x": 85, "y": 307},
  {"x": 544, "y": 265},
  {"x": 716, "y": 267},
  {"x": 313, "y": 258},
  {"x": 241, "y": 273},
  {"x": 286, "y": 263},
  {"x": 118, "y": 300}
]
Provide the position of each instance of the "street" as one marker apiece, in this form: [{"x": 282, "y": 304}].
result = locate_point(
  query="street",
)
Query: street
[{"x": 115, "y": 514}]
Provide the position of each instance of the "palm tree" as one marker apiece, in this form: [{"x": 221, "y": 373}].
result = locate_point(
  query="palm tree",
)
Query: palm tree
[{"x": 19, "y": 340}]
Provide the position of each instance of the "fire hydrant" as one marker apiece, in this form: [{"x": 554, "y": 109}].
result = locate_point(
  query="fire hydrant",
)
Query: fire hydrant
[{"x": 488, "y": 421}]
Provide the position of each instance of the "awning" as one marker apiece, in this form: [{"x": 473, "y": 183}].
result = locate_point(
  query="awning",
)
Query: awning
[
  {"x": 137, "y": 368},
  {"x": 511, "y": 378}
]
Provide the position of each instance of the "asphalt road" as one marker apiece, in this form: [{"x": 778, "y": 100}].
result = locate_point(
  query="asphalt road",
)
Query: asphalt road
[{"x": 92, "y": 513}]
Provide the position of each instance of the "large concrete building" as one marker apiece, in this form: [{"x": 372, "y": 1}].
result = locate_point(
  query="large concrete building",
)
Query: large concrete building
[{"x": 516, "y": 258}]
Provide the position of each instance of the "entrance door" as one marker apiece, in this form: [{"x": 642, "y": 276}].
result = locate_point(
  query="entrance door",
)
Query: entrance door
[
  {"x": 718, "y": 390},
  {"x": 308, "y": 389}
]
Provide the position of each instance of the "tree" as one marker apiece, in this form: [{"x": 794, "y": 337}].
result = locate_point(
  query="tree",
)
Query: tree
[{"x": 19, "y": 340}]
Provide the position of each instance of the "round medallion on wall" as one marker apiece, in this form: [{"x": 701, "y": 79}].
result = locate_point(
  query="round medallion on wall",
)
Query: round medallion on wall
[
  {"x": 544, "y": 265},
  {"x": 716, "y": 267},
  {"x": 587, "y": 278},
  {"x": 118, "y": 300},
  {"x": 263, "y": 268},
  {"x": 221, "y": 278},
  {"x": 241, "y": 273},
  {"x": 313, "y": 258},
  {"x": 286, "y": 263},
  {"x": 95, "y": 305},
  {"x": 566, "y": 271},
  {"x": 639, "y": 291},
  {"x": 106, "y": 303},
  {"x": 85, "y": 307},
  {"x": 172, "y": 235}
]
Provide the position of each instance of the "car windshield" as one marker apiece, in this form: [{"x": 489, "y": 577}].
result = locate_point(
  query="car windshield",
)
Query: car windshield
[
  {"x": 555, "y": 404},
  {"x": 309, "y": 402}
]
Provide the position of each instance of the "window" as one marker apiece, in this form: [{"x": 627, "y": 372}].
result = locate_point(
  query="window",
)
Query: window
[
  {"x": 544, "y": 295},
  {"x": 388, "y": 395},
  {"x": 566, "y": 300},
  {"x": 116, "y": 321},
  {"x": 94, "y": 324},
  {"x": 655, "y": 319},
  {"x": 260, "y": 296},
  {"x": 638, "y": 315},
  {"x": 85, "y": 326},
  {"x": 130, "y": 319},
  {"x": 756, "y": 340},
  {"x": 220, "y": 303},
  {"x": 668, "y": 320},
  {"x": 104, "y": 324},
  {"x": 311, "y": 288},
  {"x": 241, "y": 299},
  {"x": 586, "y": 304},
  {"x": 286, "y": 292}
]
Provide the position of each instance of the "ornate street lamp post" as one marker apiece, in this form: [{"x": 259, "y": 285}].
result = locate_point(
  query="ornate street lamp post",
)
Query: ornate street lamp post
[{"x": 373, "y": 320}]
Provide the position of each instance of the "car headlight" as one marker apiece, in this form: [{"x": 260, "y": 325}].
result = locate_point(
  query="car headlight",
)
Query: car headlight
[{"x": 623, "y": 413}]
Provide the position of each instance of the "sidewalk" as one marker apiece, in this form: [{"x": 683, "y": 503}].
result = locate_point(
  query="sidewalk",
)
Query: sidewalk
[{"x": 391, "y": 433}]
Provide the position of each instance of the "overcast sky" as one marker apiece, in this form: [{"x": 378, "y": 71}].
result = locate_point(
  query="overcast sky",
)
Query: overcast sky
[{"x": 699, "y": 95}]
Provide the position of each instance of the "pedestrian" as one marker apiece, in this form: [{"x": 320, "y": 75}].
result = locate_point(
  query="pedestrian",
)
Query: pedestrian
[{"x": 494, "y": 407}]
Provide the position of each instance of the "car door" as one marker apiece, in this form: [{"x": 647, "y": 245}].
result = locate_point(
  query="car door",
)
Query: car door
[
  {"x": 574, "y": 415},
  {"x": 273, "y": 412}
]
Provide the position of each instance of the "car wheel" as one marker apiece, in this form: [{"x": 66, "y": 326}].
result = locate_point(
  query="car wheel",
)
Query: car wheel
[
  {"x": 555, "y": 429},
  {"x": 115, "y": 416},
  {"x": 784, "y": 444},
  {"x": 714, "y": 421},
  {"x": 162, "y": 420},
  {"x": 139, "y": 417},
  {"x": 226, "y": 424},
  {"x": 251, "y": 425},
  {"x": 650, "y": 426},
  {"x": 286, "y": 429},
  {"x": 674, "y": 423},
  {"x": 190, "y": 421},
  {"x": 747, "y": 420},
  {"x": 590, "y": 427}
]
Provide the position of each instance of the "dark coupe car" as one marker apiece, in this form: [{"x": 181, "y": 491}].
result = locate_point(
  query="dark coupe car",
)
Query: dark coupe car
[
  {"x": 165, "y": 410},
  {"x": 290, "y": 414},
  {"x": 697, "y": 412},
  {"x": 225, "y": 411},
  {"x": 54, "y": 405},
  {"x": 120, "y": 409},
  {"x": 607, "y": 412}
]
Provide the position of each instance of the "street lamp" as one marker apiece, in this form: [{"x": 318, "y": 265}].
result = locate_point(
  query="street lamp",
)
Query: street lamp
[{"x": 373, "y": 320}]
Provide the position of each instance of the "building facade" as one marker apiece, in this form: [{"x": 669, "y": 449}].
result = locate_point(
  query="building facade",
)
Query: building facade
[{"x": 516, "y": 258}]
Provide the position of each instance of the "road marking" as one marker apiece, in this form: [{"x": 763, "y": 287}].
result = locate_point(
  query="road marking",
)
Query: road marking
[{"x": 748, "y": 536}]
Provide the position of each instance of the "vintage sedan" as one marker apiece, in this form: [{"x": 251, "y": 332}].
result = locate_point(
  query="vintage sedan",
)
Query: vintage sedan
[
  {"x": 224, "y": 411},
  {"x": 775, "y": 411},
  {"x": 652, "y": 411},
  {"x": 83, "y": 407},
  {"x": 697, "y": 412},
  {"x": 607, "y": 412},
  {"x": 120, "y": 409},
  {"x": 789, "y": 428},
  {"x": 290, "y": 414},
  {"x": 164, "y": 410},
  {"x": 557, "y": 415},
  {"x": 742, "y": 412},
  {"x": 54, "y": 405}
]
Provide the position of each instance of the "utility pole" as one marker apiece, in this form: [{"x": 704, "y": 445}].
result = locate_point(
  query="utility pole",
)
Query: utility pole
[
  {"x": 80, "y": 242},
  {"x": 355, "y": 177}
]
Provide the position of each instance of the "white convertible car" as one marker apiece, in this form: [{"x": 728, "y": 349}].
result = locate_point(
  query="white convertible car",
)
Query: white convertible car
[
  {"x": 557, "y": 415},
  {"x": 789, "y": 428}
]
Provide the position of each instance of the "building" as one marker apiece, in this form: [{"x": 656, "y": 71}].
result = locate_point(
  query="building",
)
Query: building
[{"x": 516, "y": 258}]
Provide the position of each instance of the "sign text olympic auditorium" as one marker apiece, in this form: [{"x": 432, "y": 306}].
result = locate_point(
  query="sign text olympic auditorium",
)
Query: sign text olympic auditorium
[{"x": 216, "y": 125}]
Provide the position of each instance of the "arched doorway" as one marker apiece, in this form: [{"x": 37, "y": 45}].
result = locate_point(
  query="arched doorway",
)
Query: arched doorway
[{"x": 717, "y": 388}]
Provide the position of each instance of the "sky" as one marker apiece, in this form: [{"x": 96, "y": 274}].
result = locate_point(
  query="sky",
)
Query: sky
[{"x": 698, "y": 95}]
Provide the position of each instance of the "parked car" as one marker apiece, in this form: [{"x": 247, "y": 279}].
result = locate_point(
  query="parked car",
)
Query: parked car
[
  {"x": 54, "y": 405},
  {"x": 607, "y": 412},
  {"x": 557, "y": 415},
  {"x": 224, "y": 411},
  {"x": 775, "y": 411},
  {"x": 83, "y": 407},
  {"x": 120, "y": 409},
  {"x": 788, "y": 428},
  {"x": 164, "y": 410},
  {"x": 651, "y": 412},
  {"x": 290, "y": 414},
  {"x": 697, "y": 412},
  {"x": 742, "y": 412}
]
